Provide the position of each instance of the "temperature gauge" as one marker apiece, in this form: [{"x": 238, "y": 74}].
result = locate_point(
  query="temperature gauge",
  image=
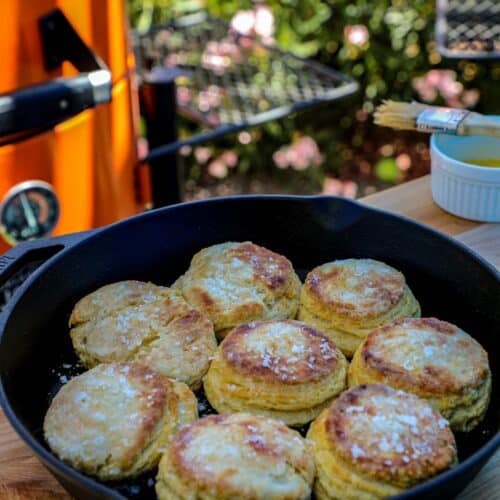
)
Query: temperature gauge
[{"x": 29, "y": 211}]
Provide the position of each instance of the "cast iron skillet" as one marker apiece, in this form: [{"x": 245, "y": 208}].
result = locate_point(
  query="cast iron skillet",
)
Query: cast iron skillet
[{"x": 450, "y": 281}]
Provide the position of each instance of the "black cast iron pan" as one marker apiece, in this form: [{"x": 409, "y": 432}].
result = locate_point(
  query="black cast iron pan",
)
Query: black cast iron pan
[{"x": 450, "y": 281}]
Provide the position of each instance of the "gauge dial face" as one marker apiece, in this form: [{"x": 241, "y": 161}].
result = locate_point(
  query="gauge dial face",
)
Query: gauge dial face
[{"x": 29, "y": 211}]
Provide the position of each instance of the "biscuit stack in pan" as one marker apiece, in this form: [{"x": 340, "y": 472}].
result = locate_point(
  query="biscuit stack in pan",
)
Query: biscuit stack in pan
[
  {"x": 374, "y": 442},
  {"x": 142, "y": 322},
  {"x": 347, "y": 299},
  {"x": 236, "y": 283},
  {"x": 379, "y": 426},
  {"x": 114, "y": 421},
  {"x": 281, "y": 369},
  {"x": 236, "y": 456},
  {"x": 433, "y": 359}
]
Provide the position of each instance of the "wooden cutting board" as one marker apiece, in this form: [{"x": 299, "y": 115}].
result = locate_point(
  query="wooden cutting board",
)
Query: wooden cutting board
[
  {"x": 22, "y": 477},
  {"x": 414, "y": 200}
]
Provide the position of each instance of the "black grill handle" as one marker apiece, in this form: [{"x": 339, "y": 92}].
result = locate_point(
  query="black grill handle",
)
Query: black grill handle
[
  {"x": 39, "y": 107},
  {"x": 36, "y": 250}
]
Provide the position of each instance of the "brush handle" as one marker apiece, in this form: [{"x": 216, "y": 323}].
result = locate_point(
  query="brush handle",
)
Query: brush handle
[{"x": 477, "y": 124}]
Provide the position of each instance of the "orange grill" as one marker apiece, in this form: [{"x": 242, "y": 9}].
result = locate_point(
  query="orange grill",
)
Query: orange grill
[{"x": 89, "y": 160}]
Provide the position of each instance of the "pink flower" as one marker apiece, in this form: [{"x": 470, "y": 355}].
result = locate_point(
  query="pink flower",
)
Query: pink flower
[
  {"x": 245, "y": 137},
  {"x": 336, "y": 187},
  {"x": 299, "y": 155},
  {"x": 403, "y": 161},
  {"x": 350, "y": 189},
  {"x": 203, "y": 102},
  {"x": 428, "y": 95},
  {"x": 217, "y": 169},
  {"x": 212, "y": 47},
  {"x": 444, "y": 82},
  {"x": 332, "y": 186},
  {"x": 450, "y": 89},
  {"x": 183, "y": 95},
  {"x": 209, "y": 99},
  {"x": 259, "y": 21},
  {"x": 307, "y": 152},
  {"x": 227, "y": 47},
  {"x": 264, "y": 21},
  {"x": 426, "y": 90},
  {"x": 246, "y": 42},
  {"x": 202, "y": 154},
  {"x": 215, "y": 62},
  {"x": 434, "y": 76},
  {"x": 217, "y": 56},
  {"x": 280, "y": 159},
  {"x": 470, "y": 98},
  {"x": 214, "y": 97},
  {"x": 297, "y": 160},
  {"x": 229, "y": 158},
  {"x": 243, "y": 22},
  {"x": 356, "y": 34}
]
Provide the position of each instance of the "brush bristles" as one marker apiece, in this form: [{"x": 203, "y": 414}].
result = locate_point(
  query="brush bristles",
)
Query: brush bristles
[{"x": 400, "y": 115}]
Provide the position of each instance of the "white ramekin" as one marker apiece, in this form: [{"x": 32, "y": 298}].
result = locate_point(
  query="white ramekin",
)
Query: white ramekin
[{"x": 466, "y": 190}]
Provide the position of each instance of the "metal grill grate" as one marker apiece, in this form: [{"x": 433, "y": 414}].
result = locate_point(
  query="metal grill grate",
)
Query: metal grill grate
[
  {"x": 468, "y": 29},
  {"x": 230, "y": 79}
]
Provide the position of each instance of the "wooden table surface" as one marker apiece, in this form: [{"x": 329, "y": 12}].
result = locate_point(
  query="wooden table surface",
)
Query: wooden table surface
[{"x": 22, "y": 476}]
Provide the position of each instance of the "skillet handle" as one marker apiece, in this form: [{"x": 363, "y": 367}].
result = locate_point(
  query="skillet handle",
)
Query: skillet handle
[{"x": 36, "y": 250}]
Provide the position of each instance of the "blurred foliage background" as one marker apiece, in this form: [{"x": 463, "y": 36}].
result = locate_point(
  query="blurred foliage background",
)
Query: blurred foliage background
[{"x": 388, "y": 46}]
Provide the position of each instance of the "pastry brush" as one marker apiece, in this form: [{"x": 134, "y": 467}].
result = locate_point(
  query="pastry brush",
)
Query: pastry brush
[{"x": 425, "y": 118}]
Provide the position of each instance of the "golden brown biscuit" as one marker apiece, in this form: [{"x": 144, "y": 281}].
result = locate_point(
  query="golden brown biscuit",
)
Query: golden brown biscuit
[
  {"x": 280, "y": 369},
  {"x": 114, "y": 421},
  {"x": 234, "y": 457},
  {"x": 374, "y": 441},
  {"x": 434, "y": 360},
  {"x": 153, "y": 325},
  {"x": 347, "y": 299},
  {"x": 235, "y": 283}
]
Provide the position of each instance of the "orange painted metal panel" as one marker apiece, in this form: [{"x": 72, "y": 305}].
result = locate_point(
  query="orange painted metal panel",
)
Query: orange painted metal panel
[
  {"x": 115, "y": 197},
  {"x": 22, "y": 58},
  {"x": 90, "y": 159},
  {"x": 73, "y": 172}
]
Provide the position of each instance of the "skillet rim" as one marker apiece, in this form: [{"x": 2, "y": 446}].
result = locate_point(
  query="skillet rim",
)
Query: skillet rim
[{"x": 52, "y": 462}]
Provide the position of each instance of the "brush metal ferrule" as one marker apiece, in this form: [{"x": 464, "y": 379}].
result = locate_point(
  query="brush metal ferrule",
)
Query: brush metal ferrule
[{"x": 445, "y": 120}]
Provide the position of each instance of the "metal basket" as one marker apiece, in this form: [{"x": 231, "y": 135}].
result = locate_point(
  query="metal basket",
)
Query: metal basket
[
  {"x": 227, "y": 79},
  {"x": 468, "y": 29}
]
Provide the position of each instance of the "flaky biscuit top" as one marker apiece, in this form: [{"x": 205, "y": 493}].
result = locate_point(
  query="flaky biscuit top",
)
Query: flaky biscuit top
[
  {"x": 113, "y": 297},
  {"x": 426, "y": 353},
  {"x": 107, "y": 414},
  {"x": 118, "y": 335},
  {"x": 243, "y": 455},
  {"x": 389, "y": 434},
  {"x": 285, "y": 352},
  {"x": 153, "y": 325},
  {"x": 356, "y": 288},
  {"x": 236, "y": 282}
]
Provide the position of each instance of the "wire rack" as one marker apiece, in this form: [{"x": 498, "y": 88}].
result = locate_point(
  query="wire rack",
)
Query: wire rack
[
  {"x": 225, "y": 78},
  {"x": 468, "y": 29}
]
